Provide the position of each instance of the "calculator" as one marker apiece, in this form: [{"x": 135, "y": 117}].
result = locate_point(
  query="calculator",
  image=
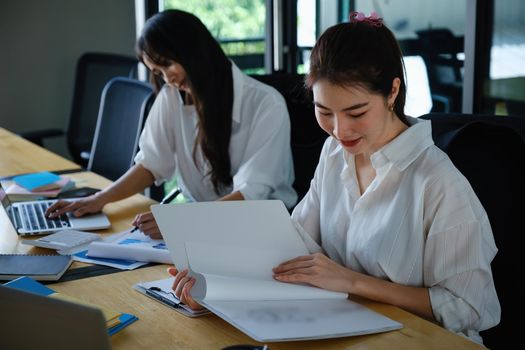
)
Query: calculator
[{"x": 65, "y": 239}]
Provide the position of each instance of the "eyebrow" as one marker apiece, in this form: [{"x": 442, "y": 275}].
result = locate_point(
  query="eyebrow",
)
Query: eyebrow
[{"x": 351, "y": 108}]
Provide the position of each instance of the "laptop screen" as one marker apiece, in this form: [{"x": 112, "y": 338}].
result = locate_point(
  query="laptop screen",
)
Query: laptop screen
[
  {"x": 37, "y": 322},
  {"x": 6, "y": 203}
]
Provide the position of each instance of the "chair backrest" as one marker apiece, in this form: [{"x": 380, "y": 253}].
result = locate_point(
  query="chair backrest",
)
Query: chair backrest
[
  {"x": 93, "y": 71},
  {"x": 307, "y": 138},
  {"x": 490, "y": 152},
  {"x": 439, "y": 48},
  {"x": 123, "y": 108}
]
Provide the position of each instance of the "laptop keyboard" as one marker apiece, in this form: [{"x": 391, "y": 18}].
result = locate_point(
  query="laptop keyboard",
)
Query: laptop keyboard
[{"x": 33, "y": 217}]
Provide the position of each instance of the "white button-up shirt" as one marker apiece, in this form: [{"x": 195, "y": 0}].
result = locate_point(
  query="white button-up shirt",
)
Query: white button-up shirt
[
  {"x": 419, "y": 223},
  {"x": 260, "y": 154}
]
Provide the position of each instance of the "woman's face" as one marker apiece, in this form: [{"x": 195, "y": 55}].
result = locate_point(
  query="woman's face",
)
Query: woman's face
[
  {"x": 173, "y": 75},
  {"x": 360, "y": 120}
]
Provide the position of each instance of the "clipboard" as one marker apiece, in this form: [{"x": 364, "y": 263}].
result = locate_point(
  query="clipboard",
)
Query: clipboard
[{"x": 160, "y": 290}]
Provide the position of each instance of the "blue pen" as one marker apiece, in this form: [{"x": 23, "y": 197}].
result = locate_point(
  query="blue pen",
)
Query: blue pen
[{"x": 171, "y": 196}]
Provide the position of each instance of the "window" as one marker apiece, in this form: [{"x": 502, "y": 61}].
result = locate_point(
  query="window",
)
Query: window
[
  {"x": 238, "y": 25},
  {"x": 435, "y": 32}
]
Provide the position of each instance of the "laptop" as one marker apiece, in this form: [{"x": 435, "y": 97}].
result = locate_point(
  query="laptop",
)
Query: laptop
[
  {"x": 28, "y": 218},
  {"x": 37, "y": 322}
]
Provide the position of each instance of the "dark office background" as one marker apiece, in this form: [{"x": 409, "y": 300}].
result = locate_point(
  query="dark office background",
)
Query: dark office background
[{"x": 42, "y": 40}]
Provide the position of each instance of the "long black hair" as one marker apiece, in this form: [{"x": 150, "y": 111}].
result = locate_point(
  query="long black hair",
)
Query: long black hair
[
  {"x": 178, "y": 36},
  {"x": 360, "y": 54}
]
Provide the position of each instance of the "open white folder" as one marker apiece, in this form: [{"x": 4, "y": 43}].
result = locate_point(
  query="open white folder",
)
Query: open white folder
[{"x": 231, "y": 248}]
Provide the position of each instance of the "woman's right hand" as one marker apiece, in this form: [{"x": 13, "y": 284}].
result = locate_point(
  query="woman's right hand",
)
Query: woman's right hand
[
  {"x": 182, "y": 286},
  {"x": 88, "y": 205}
]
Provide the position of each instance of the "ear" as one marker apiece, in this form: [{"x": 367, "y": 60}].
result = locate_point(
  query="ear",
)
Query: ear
[{"x": 394, "y": 91}]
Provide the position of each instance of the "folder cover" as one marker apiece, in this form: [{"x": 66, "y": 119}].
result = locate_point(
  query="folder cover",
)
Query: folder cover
[{"x": 38, "y": 267}]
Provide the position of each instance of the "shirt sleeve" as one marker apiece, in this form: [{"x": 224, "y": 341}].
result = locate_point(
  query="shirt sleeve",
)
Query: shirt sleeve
[
  {"x": 459, "y": 249},
  {"x": 307, "y": 213},
  {"x": 157, "y": 141},
  {"x": 267, "y": 165}
]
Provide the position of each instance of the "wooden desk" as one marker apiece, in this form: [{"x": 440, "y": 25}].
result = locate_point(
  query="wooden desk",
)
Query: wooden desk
[
  {"x": 160, "y": 327},
  {"x": 17, "y": 156}
]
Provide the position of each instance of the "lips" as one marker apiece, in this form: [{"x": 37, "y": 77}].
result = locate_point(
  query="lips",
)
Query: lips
[{"x": 350, "y": 143}]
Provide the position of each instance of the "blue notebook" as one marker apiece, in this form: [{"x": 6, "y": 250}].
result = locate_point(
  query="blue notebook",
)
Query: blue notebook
[
  {"x": 30, "y": 285},
  {"x": 37, "y": 181},
  {"x": 38, "y": 267}
]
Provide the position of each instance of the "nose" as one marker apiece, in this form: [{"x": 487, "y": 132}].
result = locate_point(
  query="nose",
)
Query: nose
[{"x": 342, "y": 126}]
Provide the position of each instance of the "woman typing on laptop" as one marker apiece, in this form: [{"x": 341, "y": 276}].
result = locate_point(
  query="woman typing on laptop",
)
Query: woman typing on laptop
[{"x": 224, "y": 135}]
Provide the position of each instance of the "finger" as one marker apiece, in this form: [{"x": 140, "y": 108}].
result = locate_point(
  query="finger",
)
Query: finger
[
  {"x": 148, "y": 227},
  {"x": 311, "y": 270},
  {"x": 66, "y": 207},
  {"x": 293, "y": 266},
  {"x": 172, "y": 271},
  {"x": 136, "y": 221},
  {"x": 178, "y": 278},
  {"x": 293, "y": 262},
  {"x": 294, "y": 278},
  {"x": 180, "y": 286},
  {"x": 147, "y": 216},
  {"x": 156, "y": 235},
  {"x": 56, "y": 206},
  {"x": 187, "y": 298}
]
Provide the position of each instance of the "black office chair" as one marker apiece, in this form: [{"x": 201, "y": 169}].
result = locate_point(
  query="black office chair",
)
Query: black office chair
[
  {"x": 307, "y": 138},
  {"x": 439, "y": 48},
  {"x": 124, "y": 105},
  {"x": 490, "y": 152},
  {"x": 93, "y": 71}
]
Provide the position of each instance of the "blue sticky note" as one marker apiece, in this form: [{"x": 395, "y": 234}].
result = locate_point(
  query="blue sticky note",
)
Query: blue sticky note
[{"x": 36, "y": 180}]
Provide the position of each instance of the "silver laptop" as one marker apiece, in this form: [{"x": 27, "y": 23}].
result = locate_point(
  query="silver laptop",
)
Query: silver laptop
[
  {"x": 29, "y": 218},
  {"x": 37, "y": 322}
]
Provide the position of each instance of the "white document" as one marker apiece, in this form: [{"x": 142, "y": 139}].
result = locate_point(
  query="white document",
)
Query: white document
[
  {"x": 125, "y": 250},
  {"x": 231, "y": 248},
  {"x": 134, "y": 246}
]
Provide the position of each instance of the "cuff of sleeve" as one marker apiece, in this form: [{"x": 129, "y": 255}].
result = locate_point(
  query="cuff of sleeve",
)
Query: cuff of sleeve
[
  {"x": 159, "y": 179},
  {"x": 254, "y": 191},
  {"x": 449, "y": 310}
]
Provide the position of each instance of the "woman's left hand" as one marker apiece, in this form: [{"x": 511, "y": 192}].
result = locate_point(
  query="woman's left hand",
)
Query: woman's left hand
[{"x": 315, "y": 269}]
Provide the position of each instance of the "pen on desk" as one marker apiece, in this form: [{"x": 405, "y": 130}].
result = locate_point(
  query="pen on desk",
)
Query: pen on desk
[{"x": 168, "y": 198}]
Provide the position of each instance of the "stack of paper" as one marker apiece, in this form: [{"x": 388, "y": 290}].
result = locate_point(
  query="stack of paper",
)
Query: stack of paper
[
  {"x": 23, "y": 188},
  {"x": 115, "y": 321},
  {"x": 125, "y": 250}
]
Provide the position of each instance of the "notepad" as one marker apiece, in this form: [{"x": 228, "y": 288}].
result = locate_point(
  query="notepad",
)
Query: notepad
[
  {"x": 41, "y": 181},
  {"x": 18, "y": 192},
  {"x": 38, "y": 267}
]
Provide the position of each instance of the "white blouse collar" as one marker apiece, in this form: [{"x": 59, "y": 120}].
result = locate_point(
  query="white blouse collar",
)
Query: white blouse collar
[{"x": 402, "y": 150}]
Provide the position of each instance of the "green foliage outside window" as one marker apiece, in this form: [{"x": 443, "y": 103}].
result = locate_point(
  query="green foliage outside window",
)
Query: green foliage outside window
[{"x": 232, "y": 21}]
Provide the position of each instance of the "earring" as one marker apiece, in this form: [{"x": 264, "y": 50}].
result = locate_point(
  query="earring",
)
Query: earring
[{"x": 391, "y": 108}]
